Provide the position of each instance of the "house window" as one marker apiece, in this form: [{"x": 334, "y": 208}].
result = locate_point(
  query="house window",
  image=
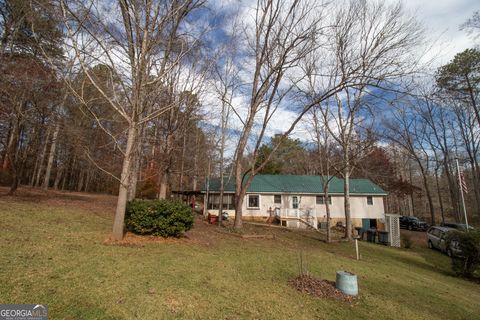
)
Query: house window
[
  {"x": 214, "y": 202},
  {"x": 277, "y": 199},
  {"x": 294, "y": 202},
  {"x": 369, "y": 200},
  {"x": 228, "y": 202},
  {"x": 321, "y": 200},
  {"x": 253, "y": 201}
]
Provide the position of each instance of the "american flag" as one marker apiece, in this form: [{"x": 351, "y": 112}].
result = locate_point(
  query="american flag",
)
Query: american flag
[{"x": 463, "y": 183}]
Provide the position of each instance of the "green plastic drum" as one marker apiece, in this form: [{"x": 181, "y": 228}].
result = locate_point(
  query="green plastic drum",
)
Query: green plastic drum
[{"x": 347, "y": 283}]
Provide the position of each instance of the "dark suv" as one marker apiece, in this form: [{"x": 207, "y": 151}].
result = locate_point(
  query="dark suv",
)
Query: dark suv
[{"x": 413, "y": 223}]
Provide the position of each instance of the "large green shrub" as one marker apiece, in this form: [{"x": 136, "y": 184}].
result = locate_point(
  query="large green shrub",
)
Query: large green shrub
[
  {"x": 158, "y": 217},
  {"x": 468, "y": 260}
]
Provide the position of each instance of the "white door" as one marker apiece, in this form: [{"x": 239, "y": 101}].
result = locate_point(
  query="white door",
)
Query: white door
[{"x": 294, "y": 205}]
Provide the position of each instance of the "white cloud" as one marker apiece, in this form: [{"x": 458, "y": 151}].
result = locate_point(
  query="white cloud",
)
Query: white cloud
[{"x": 442, "y": 19}]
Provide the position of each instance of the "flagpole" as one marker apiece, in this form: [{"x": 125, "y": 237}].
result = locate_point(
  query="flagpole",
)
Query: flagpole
[{"x": 461, "y": 193}]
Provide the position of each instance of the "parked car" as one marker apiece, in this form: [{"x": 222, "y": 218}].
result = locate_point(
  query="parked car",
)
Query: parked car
[
  {"x": 458, "y": 226},
  {"x": 436, "y": 239},
  {"x": 413, "y": 223}
]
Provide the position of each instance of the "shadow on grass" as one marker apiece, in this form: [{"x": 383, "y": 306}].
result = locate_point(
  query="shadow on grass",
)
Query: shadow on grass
[
  {"x": 441, "y": 301},
  {"x": 421, "y": 258}
]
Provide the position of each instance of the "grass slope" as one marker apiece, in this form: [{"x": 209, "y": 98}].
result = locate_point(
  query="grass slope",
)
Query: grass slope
[{"x": 54, "y": 253}]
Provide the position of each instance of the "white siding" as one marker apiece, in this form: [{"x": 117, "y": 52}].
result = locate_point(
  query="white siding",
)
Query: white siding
[
  {"x": 358, "y": 206},
  {"x": 266, "y": 202}
]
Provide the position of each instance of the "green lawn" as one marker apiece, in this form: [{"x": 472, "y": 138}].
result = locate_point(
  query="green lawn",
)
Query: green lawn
[{"x": 54, "y": 253}]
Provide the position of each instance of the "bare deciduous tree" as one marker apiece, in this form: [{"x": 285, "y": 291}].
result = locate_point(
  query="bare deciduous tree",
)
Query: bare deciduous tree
[
  {"x": 368, "y": 48},
  {"x": 141, "y": 43},
  {"x": 282, "y": 36}
]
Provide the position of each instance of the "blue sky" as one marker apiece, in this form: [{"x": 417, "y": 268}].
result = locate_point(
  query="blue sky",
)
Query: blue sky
[{"x": 441, "y": 19}]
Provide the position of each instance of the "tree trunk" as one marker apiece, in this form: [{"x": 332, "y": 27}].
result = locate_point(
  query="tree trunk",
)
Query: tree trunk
[
  {"x": 136, "y": 164},
  {"x": 14, "y": 184},
  {"x": 34, "y": 174},
  {"x": 222, "y": 187},
  {"x": 429, "y": 194},
  {"x": 118, "y": 223},
  {"x": 41, "y": 160},
  {"x": 64, "y": 180},
  {"x": 456, "y": 206},
  {"x": 195, "y": 165},
  {"x": 51, "y": 156},
  {"x": 476, "y": 187},
  {"x": 163, "y": 186},
  {"x": 327, "y": 210},
  {"x": 164, "y": 173},
  {"x": 240, "y": 188},
  {"x": 12, "y": 141},
  {"x": 222, "y": 160},
  {"x": 6, "y": 143},
  {"x": 68, "y": 177},
  {"x": 58, "y": 177},
  {"x": 207, "y": 188},
  {"x": 440, "y": 200},
  {"x": 14, "y": 165},
  {"x": 12, "y": 154},
  {"x": 220, "y": 205},
  {"x": 346, "y": 191},
  {"x": 87, "y": 181},
  {"x": 411, "y": 203},
  {"x": 134, "y": 178},
  {"x": 182, "y": 164},
  {"x": 81, "y": 178},
  {"x": 239, "y": 197}
]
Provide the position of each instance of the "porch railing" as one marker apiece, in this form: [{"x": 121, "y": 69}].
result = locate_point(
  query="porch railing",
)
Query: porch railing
[{"x": 305, "y": 215}]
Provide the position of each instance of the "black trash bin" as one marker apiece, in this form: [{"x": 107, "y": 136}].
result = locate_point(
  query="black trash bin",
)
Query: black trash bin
[
  {"x": 383, "y": 237},
  {"x": 371, "y": 235}
]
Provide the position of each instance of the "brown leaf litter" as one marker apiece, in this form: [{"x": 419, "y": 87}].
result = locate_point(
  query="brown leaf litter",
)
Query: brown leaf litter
[{"x": 319, "y": 288}]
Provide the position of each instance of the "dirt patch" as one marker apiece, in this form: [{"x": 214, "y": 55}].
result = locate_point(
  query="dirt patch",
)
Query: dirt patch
[
  {"x": 418, "y": 238},
  {"x": 136, "y": 240},
  {"x": 319, "y": 288},
  {"x": 201, "y": 234},
  {"x": 245, "y": 234},
  {"x": 173, "y": 305}
]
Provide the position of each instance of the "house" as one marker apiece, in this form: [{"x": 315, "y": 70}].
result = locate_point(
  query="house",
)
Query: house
[{"x": 298, "y": 200}]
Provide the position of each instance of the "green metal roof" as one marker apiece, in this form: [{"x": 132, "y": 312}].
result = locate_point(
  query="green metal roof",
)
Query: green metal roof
[{"x": 298, "y": 184}]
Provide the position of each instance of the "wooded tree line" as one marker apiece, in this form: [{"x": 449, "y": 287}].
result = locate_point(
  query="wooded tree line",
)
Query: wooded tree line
[
  {"x": 139, "y": 98},
  {"x": 103, "y": 98}
]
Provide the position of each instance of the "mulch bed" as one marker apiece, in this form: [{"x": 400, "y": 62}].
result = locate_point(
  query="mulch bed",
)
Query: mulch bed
[{"x": 319, "y": 288}]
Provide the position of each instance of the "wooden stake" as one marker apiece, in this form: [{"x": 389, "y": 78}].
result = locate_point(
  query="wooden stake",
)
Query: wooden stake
[{"x": 356, "y": 249}]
